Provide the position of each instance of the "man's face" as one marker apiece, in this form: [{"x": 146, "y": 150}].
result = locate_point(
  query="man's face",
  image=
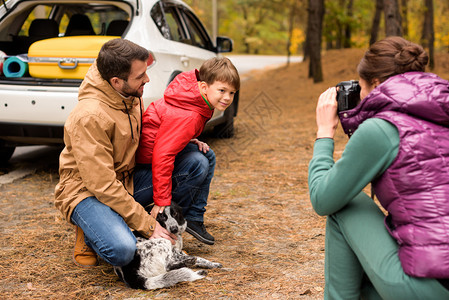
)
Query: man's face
[{"x": 136, "y": 80}]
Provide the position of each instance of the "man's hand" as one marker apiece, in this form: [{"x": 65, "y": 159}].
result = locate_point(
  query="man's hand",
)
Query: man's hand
[
  {"x": 203, "y": 147},
  {"x": 161, "y": 232}
]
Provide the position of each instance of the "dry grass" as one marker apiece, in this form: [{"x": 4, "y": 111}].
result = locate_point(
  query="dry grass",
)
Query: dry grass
[{"x": 269, "y": 240}]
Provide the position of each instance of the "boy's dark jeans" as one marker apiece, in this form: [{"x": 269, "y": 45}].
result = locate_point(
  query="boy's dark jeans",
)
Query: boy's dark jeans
[{"x": 192, "y": 175}]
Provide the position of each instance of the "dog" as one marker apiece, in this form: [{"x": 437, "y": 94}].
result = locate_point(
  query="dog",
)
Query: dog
[{"x": 159, "y": 264}]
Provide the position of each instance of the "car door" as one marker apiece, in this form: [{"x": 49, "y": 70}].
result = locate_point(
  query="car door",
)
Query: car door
[
  {"x": 191, "y": 42},
  {"x": 198, "y": 45}
]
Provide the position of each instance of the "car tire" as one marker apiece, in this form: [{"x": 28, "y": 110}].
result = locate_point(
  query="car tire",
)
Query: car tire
[
  {"x": 226, "y": 130},
  {"x": 172, "y": 76},
  {"x": 5, "y": 152}
]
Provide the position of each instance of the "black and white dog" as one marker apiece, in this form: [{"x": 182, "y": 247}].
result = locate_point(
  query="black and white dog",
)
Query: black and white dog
[{"x": 159, "y": 264}]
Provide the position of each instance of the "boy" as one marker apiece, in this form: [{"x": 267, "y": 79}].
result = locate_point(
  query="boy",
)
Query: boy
[{"x": 182, "y": 166}]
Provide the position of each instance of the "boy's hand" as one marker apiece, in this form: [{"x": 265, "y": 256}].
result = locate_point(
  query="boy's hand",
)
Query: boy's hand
[
  {"x": 203, "y": 147},
  {"x": 156, "y": 210}
]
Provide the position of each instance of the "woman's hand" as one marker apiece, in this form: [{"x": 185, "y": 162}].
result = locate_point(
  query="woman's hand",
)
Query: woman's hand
[
  {"x": 203, "y": 147},
  {"x": 326, "y": 114}
]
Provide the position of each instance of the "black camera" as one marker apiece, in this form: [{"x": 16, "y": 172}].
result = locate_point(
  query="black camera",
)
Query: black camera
[{"x": 348, "y": 95}]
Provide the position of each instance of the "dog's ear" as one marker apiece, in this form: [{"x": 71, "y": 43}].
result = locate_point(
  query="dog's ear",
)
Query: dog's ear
[
  {"x": 162, "y": 218},
  {"x": 176, "y": 208},
  {"x": 176, "y": 213}
]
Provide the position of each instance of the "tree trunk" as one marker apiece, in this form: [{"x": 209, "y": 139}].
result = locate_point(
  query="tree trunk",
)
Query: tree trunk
[
  {"x": 392, "y": 18},
  {"x": 347, "y": 37},
  {"x": 339, "y": 35},
  {"x": 245, "y": 17},
  {"x": 291, "y": 24},
  {"x": 315, "y": 27},
  {"x": 307, "y": 41},
  {"x": 404, "y": 15},
  {"x": 428, "y": 34},
  {"x": 376, "y": 21}
]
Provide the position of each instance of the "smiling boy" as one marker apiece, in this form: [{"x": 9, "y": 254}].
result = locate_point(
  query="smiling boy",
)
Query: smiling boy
[{"x": 182, "y": 166}]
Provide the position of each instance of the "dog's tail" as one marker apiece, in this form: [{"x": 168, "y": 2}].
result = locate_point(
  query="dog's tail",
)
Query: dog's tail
[{"x": 173, "y": 277}]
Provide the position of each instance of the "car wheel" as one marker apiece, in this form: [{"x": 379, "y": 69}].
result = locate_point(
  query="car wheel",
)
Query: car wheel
[
  {"x": 226, "y": 130},
  {"x": 5, "y": 152},
  {"x": 172, "y": 76}
]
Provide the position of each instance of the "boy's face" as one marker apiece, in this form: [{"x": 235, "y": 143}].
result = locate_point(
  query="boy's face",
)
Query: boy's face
[{"x": 219, "y": 94}]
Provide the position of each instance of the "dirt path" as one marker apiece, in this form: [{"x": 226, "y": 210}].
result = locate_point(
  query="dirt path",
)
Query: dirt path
[{"x": 269, "y": 240}]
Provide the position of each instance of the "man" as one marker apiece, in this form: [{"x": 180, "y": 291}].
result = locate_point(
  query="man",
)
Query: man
[{"x": 97, "y": 190}]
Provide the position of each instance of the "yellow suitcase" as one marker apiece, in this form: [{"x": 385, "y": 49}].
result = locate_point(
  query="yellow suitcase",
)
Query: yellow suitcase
[{"x": 64, "y": 57}]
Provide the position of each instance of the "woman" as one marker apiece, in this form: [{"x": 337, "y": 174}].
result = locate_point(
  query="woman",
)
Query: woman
[{"x": 399, "y": 141}]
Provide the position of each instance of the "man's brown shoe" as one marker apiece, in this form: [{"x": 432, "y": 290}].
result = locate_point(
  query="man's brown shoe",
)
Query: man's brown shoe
[{"x": 83, "y": 255}]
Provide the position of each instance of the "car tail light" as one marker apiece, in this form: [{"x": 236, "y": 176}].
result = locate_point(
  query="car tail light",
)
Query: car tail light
[{"x": 151, "y": 60}]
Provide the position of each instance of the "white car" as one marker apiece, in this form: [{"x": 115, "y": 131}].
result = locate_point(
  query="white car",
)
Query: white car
[{"x": 33, "y": 110}]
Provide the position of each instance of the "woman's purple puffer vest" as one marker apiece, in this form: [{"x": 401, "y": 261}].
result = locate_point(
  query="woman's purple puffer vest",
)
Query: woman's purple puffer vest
[{"x": 415, "y": 188}]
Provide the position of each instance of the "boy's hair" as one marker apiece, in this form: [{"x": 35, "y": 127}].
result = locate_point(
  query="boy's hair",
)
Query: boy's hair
[
  {"x": 220, "y": 69},
  {"x": 116, "y": 56}
]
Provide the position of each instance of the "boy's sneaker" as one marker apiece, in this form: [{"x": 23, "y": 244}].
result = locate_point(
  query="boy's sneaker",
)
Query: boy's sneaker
[{"x": 198, "y": 230}]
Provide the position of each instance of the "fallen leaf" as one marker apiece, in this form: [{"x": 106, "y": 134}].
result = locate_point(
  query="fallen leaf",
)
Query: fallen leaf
[
  {"x": 30, "y": 286},
  {"x": 306, "y": 292}
]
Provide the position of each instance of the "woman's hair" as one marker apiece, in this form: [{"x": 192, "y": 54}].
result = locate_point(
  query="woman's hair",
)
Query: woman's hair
[
  {"x": 116, "y": 57},
  {"x": 391, "y": 56},
  {"x": 220, "y": 69}
]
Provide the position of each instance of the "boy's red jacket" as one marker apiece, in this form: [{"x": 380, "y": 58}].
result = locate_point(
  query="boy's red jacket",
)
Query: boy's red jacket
[{"x": 168, "y": 125}]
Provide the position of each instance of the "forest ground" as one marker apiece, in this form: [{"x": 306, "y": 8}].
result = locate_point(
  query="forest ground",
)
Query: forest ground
[{"x": 268, "y": 238}]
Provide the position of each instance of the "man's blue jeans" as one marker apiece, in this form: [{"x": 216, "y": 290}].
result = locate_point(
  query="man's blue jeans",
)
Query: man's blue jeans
[{"x": 106, "y": 232}]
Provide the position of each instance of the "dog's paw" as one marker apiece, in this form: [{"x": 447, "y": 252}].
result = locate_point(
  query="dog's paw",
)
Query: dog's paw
[
  {"x": 213, "y": 265},
  {"x": 201, "y": 272},
  {"x": 206, "y": 264}
]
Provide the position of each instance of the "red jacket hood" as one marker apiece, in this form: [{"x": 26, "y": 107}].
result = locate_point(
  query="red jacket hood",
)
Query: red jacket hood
[{"x": 183, "y": 92}]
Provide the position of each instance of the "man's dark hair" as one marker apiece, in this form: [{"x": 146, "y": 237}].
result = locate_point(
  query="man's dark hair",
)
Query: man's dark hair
[{"x": 116, "y": 56}]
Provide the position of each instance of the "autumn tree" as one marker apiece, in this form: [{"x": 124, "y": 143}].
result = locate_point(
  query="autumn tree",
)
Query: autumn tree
[
  {"x": 313, "y": 42},
  {"x": 428, "y": 33},
  {"x": 404, "y": 16},
  {"x": 293, "y": 4},
  {"x": 335, "y": 22},
  {"x": 340, "y": 21},
  {"x": 376, "y": 21},
  {"x": 392, "y": 18},
  {"x": 348, "y": 25},
  {"x": 267, "y": 26}
]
